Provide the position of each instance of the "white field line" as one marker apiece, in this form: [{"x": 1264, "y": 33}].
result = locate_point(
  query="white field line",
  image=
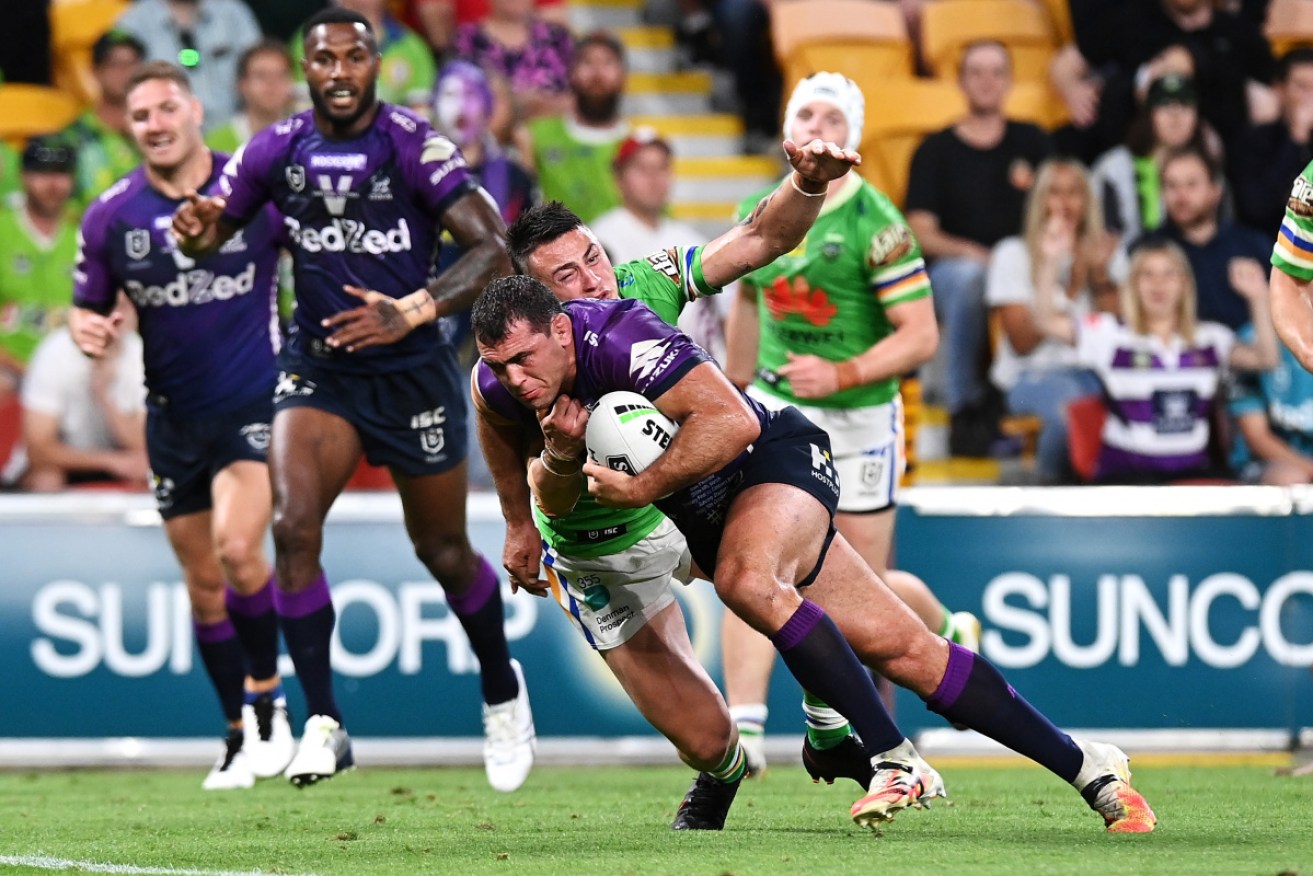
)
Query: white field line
[{"x": 45, "y": 862}]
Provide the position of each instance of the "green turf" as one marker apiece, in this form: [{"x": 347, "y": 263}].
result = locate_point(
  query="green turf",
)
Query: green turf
[{"x": 1213, "y": 820}]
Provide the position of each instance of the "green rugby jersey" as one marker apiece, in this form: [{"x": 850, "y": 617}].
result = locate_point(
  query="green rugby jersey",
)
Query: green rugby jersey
[
  {"x": 665, "y": 281},
  {"x": 36, "y": 281},
  {"x": 1293, "y": 252},
  {"x": 828, "y": 297},
  {"x": 572, "y": 171}
]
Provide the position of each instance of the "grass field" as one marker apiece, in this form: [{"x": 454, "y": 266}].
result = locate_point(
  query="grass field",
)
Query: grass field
[{"x": 1006, "y": 820}]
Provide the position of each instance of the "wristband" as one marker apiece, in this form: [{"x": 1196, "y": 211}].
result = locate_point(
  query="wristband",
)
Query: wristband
[
  {"x": 545, "y": 458},
  {"x": 804, "y": 192},
  {"x": 847, "y": 374}
]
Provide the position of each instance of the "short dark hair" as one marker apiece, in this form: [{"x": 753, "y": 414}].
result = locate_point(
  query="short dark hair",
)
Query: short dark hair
[
  {"x": 982, "y": 44},
  {"x": 337, "y": 15},
  {"x": 111, "y": 40},
  {"x": 603, "y": 38},
  {"x": 166, "y": 70},
  {"x": 536, "y": 226},
  {"x": 508, "y": 300},
  {"x": 1211, "y": 165},
  {"x": 1300, "y": 54},
  {"x": 263, "y": 47}
]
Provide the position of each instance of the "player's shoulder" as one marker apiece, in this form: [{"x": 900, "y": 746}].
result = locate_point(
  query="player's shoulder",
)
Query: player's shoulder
[
  {"x": 270, "y": 145},
  {"x": 118, "y": 197}
]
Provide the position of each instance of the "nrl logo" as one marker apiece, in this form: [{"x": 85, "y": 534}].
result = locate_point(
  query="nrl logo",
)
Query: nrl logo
[
  {"x": 295, "y": 174},
  {"x": 137, "y": 243}
]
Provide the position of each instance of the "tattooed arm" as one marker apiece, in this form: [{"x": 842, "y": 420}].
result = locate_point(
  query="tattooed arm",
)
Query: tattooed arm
[{"x": 782, "y": 218}]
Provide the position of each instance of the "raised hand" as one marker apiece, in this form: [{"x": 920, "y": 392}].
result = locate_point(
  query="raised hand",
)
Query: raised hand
[
  {"x": 820, "y": 161},
  {"x": 195, "y": 221}
]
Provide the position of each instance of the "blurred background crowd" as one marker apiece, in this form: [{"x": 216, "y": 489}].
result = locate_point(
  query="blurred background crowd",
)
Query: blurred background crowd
[{"x": 1033, "y": 146}]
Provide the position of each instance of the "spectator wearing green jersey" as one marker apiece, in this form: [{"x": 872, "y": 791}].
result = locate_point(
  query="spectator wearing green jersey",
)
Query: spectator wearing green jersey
[
  {"x": 105, "y": 151},
  {"x": 38, "y": 246},
  {"x": 10, "y": 185},
  {"x": 406, "y": 71},
  {"x": 829, "y": 328},
  {"x": 265, "y": 83},
  {"x": 573, "y": 152}
]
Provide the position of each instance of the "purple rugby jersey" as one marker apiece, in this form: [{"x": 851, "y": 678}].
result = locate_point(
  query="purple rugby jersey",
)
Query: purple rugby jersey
[
  {"x": 209, "y": 326},
  {"x": 623, "y": 345},
  {"x": 362, "y": 212}
]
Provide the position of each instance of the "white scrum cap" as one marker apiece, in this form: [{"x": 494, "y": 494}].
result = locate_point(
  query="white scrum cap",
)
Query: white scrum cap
[{"x": 835, "y": 89}]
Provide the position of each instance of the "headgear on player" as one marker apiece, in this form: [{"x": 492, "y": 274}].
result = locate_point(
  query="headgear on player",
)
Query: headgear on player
[{"x": 835, "y": 89}]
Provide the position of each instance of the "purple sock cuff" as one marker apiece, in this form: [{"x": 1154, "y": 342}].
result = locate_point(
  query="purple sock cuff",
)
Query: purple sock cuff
[
  {"x": 211, "y": 633},
  {"x": 960, "y": 663},
  {"x": 304, "y": 602},
  {"x": 251, "y": 604},
  {"x": 796, "y": 628},
  {"x": 485, "y": 583}
]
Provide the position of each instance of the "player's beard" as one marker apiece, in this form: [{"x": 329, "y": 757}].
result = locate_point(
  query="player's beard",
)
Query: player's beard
[
  {"x": 598, "y": 108},
  {"x": 368, "y": 98}
]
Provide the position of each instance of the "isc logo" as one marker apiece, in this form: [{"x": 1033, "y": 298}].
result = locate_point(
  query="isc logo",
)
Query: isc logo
[
  {"x": 654, "y": 431},
  {"x": 427, "y": 419}
]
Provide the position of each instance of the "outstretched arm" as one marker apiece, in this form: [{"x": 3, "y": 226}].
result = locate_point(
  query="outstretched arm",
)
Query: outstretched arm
[
  {"x": 782, "y": 218},
  {"x": 1292, "y": 314}
]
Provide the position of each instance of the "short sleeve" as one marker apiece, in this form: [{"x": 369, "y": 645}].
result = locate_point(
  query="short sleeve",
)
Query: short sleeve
[
  {"x": 1096, "y": 335},
  {"x": 922, "y": 186},
  {"x": 244, "y": 181},
  {"x": 93, "y": 285}
]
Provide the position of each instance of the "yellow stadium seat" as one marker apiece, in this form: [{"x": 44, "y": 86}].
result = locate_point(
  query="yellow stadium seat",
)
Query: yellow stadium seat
[
  {"x": 1037, "y": 103},
  {"x": 28, "y": 110},
  {"x": 948, "y": 26},
  {"x": 1289, "y": 24},
  {"x": 899, "y": 114},
  {"x": 859, "y": 38},
  {"x": 1059, "y": 14},
  {"x": 75, "y": 25}
]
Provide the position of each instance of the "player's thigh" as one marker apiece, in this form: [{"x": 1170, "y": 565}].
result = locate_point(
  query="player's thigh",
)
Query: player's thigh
[
  {"x": 774, "y": 536},
  {"x": 243, "y": 505},
  {"x": 190, "y": 536},
  {"x": 312, "y": 454},
  {"x": 660, "y": 672}
]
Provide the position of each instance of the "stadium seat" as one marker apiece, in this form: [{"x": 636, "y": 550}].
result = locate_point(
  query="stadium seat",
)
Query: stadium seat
[
  {"x": 75, "y": 25},
  {"x": 899, "y": 114},
  {"x": 1085, "y": 417},
  {"x": 29, "y": 110},
  {"x": 862, "y": 39},
  {"x": 948, "y": 26},
  {"x": 1038, "y": 103},
  {"x": 1289, "y": 24}
]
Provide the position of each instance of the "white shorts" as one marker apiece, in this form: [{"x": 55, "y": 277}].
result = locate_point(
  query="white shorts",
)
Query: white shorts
[
  {"x": 611, "y": 598},
  {"x": 867, "y": 446}
]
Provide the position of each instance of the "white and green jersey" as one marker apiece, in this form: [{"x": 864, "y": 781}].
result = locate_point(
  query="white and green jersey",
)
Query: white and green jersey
[
  {"x": 665, "y": 281},
  {"x": 1293, "y": 252},
  {"x": 830, "y": 296}
]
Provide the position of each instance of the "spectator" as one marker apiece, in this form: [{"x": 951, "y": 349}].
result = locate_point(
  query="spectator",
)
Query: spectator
[
  {"x": 207, "y": 37},
  {"x": 463, "y": 109},
  {"x": 38, "y": 246},
  {"x": 532, "y": 54},
  {"x": 84, "y": 419},
  {"x": 966, "y": 192},
  {"x": 572, "y": 152},
  {"x": 644, "y": 174},
  {"x": 1221, "y": 254},
  {"x": 265, "y": 84},
  {"x": 406, "y": 69},
  {"x": 1063, "y": 247},
  {"x": 1161, "y": 369},
  {"x": 437, "y": 20},
  {"x": 105, "y": 150},
  {"x": 1128, "y": 178},
  {"x": 1267, "y": 157},
  {"x": 1124, "y": 45},
  {"x": 1273, "y": 416}
]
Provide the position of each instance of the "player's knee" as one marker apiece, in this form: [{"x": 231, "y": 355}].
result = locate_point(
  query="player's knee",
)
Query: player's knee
[
  {"x": 751, "y": 593},
  {"x": 295, "y": 535},
  {"x": 448, "y": 558},
  {"x": 708, "y": 749},
  {"x": 236, "y": 552}
]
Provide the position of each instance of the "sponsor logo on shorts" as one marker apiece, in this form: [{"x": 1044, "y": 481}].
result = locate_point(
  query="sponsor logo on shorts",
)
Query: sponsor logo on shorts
[
  {"x": 163, "y": 490},
  {"x": 292, "y": 386},
  {"x": 596, "y": 596},
  {"x": 823, "y": 467},
  {"x": 256, "y": 435},
  {"x": 431, "y": 441},
  {"x": 872, "y": 473},
  {"x": 614, "y": 619}
]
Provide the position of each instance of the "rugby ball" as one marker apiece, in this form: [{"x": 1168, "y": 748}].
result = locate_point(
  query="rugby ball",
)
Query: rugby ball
[{"x": 626, "y": 432}]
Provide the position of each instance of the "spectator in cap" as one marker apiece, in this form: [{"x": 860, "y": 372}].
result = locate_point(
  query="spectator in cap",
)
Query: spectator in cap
[
  {"x": 530, "y": 52},
  {"x": 105, "y": 150},
  {"x": 206, "y": 37},
  {"x": 572, "y": 151},
  {"x": 38, "y": 247},
  {"x": 644, "y": 174},
  {"x": 1127, "y": 179},
  {"x": 1267, "y": 157}
]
